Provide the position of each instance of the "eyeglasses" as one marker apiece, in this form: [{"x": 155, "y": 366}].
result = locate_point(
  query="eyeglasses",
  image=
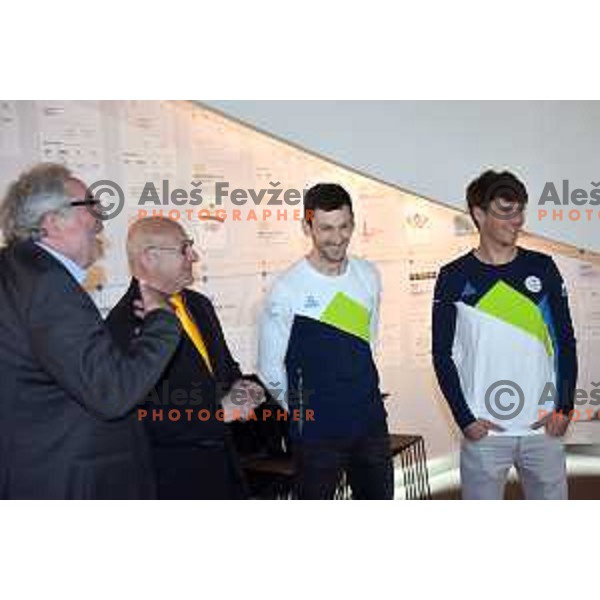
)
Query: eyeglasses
[
  {"x": 184, "y": 249},
  {"x": 85, "y": 202}
]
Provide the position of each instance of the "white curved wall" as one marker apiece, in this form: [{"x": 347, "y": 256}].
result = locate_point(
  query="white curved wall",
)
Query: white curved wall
[{"x": 433, "y": 148}]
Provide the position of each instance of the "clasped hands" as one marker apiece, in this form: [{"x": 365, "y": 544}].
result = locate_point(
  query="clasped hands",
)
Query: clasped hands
[{"x": 243, "y": 398}]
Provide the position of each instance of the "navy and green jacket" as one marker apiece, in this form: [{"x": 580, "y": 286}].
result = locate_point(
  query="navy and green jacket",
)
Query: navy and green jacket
[
  {"x": 503, "y": 337},
  {"x": 316, "y": 350}
]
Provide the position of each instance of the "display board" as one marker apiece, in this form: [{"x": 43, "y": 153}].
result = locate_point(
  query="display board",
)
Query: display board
[{"x": 141, "y": 145}]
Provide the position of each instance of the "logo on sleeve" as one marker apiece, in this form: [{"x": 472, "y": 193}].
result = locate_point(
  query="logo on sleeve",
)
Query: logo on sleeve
[
  {"x": 533, "y": 284},
  {"x": 468, "y": 290}
]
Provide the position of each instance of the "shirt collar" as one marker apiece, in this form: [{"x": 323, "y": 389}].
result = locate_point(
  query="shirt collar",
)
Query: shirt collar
[{"x": 78, "y": 273}]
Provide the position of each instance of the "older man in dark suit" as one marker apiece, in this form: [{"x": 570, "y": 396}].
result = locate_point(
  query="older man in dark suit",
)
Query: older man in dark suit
[
  {"x": 202, "y": 387},
  {"x": 63, "y": 379}
]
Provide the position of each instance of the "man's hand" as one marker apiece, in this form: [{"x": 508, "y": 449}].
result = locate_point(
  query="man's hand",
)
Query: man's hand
[
  {"x": 479, "y": 429},
  {"x": 151, "y": 300},
  {"x": 555, "y": 424},
  {"x": 242, "y": 399}
]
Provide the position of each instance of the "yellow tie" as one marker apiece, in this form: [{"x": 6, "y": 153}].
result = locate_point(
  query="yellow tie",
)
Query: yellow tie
[{"x": 190, "y": 328}]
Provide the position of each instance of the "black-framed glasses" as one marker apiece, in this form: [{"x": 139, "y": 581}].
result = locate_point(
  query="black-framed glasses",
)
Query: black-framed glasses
[
  {"x": 84, "y": 202},
  {"x": 183, "y": 249}
]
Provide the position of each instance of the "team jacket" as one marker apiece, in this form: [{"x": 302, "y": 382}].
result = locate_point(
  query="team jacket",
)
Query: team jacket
[
  {"x": 315, "y": 349},
  {"x": 503, "y": 339}
]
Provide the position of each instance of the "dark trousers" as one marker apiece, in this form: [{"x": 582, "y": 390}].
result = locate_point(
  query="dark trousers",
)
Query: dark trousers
[
  {"x": 366, "y": 461},
  {"x": 206, "y": 472}
]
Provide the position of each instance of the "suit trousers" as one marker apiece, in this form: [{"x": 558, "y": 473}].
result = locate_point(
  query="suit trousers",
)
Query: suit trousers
[{"x": 367, "y": 463}]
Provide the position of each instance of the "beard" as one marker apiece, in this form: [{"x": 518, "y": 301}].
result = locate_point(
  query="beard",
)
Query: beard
[{"x": 334, "y": 253}]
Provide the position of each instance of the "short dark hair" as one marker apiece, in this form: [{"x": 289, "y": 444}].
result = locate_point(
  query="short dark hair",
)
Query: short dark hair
[
  {"x": 491, "y": 185},
  {"x": 327, "y": 197}
]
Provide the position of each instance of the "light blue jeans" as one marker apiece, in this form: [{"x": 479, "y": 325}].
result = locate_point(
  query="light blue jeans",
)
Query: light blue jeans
[{"x": 539, "y": 460}]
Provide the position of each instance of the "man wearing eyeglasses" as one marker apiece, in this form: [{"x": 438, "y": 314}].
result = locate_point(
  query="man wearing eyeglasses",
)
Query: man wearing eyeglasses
[
  {"x": 201, "y": 388},
  {"x": 63, "y": 379}
]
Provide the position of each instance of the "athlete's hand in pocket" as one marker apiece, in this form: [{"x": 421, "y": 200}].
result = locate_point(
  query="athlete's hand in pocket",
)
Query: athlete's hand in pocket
[
  {"x": 555, "y": 424},
  {"x": 480, "y": 429}
]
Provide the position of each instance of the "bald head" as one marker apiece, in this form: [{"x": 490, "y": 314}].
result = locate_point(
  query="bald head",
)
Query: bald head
[
  {"x": 160, "y": 253},
  {"x": 149, "y": 232}
]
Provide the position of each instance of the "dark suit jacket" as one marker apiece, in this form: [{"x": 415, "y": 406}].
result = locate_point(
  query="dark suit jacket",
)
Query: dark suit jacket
[
  {"x": 63, "y": 382},
  {"x": 180, "y": 447},
  {"x": 186, "y": 382}
]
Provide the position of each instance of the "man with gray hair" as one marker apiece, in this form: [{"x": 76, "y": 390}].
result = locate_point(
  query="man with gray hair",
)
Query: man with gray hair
[{"x": 63, "y": 378}]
